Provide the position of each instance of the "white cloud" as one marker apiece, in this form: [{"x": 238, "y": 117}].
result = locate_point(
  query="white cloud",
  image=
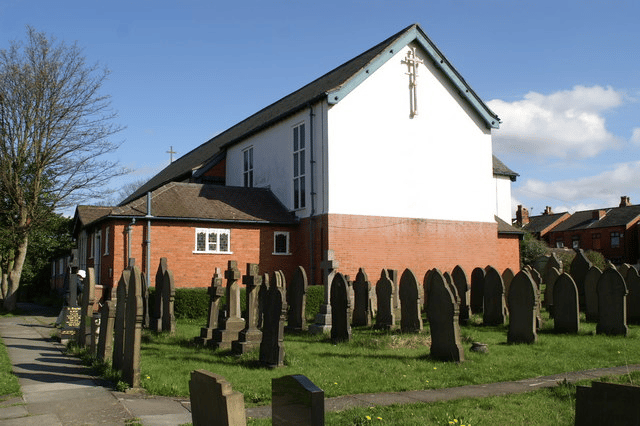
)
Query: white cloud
[
  {"x": 597, "y": 189},
  {"x": 635, "y": 136},
  {"x": 564, "y": 124}
]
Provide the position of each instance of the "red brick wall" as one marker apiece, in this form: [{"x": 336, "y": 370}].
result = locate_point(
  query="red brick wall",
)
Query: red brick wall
[{"x": 627, "y": 251}]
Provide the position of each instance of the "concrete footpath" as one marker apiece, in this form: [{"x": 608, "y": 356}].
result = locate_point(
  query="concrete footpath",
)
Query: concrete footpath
[{"x": 58, "y": 390}]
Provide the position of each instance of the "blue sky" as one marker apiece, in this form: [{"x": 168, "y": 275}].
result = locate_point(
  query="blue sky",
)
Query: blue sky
[{"x": 562, "y": 75}]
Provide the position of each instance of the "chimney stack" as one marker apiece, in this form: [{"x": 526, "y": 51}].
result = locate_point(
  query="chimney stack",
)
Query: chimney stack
[
  {"x": 598, "y": 214},
  {"x": 625, "y": 201},
  {"x": 547, "y": 211},
  {"x": 522, "y": 215}
]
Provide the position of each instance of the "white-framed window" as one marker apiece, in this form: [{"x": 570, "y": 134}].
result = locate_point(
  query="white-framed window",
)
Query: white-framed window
[
  {"x": 299, "y": 172},
  {"x": 281, "y": 243},
  {"x": 106, "y": 241},
  {"x": 247, "y": 170},
  {"x": 210, "y": 240},
  {"x": 575, "y": 241}
]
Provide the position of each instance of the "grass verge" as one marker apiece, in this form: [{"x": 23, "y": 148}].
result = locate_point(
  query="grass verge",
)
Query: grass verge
[{"x": 9, "y": 386}]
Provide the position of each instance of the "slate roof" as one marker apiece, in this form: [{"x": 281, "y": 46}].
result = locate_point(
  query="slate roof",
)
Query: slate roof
[
  {"x": 332, "y": 86},
  {"x": 203, "y": 202},
  {"x": 85, "y": 215},
  {"x": 542, "y": 224},
  {"x": 505, "y": 228},
  {"x": 616, "y": 216},
  {"x": 500, "y": 169}
]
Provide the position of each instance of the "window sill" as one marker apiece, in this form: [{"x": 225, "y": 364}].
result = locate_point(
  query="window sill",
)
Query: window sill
[
  {"x": 281, "y": 254},
  {"x": 212, "y": 252}
]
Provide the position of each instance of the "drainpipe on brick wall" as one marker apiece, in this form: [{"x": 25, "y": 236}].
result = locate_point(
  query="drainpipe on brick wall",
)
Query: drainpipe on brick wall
[
  {"x": 147, "y": 242},
  {"x": 129, "y": 229},
  {"x": 312, "y": 163}
]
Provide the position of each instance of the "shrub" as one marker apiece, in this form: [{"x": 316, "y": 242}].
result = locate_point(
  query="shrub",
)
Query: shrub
[
  {"x": 315, "y": 298},
  {"x": 530, "y": 249},
  {"x": 191, "y": 303}
]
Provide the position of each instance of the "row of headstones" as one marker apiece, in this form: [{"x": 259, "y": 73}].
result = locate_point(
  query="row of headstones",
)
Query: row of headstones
[{"x": 296, "y": 400}]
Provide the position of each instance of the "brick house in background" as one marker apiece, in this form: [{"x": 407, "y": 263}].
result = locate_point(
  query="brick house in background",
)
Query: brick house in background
[
  {"x": 346, "y": 163},
  {"x": 539, "y": 225},
  {"x": 611, "y": 231}
]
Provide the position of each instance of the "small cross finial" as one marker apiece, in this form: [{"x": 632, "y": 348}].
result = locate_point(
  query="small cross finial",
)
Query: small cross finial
[
  {"x": 171, "y": 152},
  {"x": 412, "y": 61}
]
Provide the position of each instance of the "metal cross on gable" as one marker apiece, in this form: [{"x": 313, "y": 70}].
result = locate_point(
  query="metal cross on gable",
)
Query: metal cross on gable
[
  {"x": 412, "y": 61},
  {"x": 171, "y": 152}
]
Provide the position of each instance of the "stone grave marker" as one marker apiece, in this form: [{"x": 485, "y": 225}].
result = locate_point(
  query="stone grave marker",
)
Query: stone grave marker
[
  {"x": 477, "y": 290},
  {"x": 107, "y": 323},
  {"x": 578, "y": 270},
  {"x": 591, "y": 294},
  {"x": 362, "y": 315},
  {"x": 410, "y": 303},
  {"x": 86, "y": 313},
  {"x": 393, "y": 276},
  {"x": 263, "y": 299},
  {"x": 623, "y": 269},
  {"x": 216, "y": 291},
  {"x": 340, "y": 309},
  {"x": 323, "y": 319},
  {"x": 612, "y": 305},
  {"x": 461, "y": 282},
  {"x": 145, "y": 302},
  {"x": 523, "y": 303},
  {"x": 607, "y": 404},
  {"x": 119, "y": 328},
  {"x": 539, "y": 264},
  {"x": 95, "y": 334},
  {"x": 251, "y": 337},
  {"x": 426, "y": 283},
  {"x": 168, "y": 302},
  {"x": 155, "y": 323},
  {"x": 494, "y": 304},
  {"x": 550, "y": 278},
  {"x": 228, "y": 331},
  {"x": 566, "y": 312},
  {"x": 507, "y": 276},
  {"x": 442, "y": 311},
  {"x": 297, "y": 299},
  {"x": 133, "y": 328},
  {"x": 385, "y": 318},
  {"x": 296, "y": 401},
  {"x": 214, "y": 402},
  {"x": 272, "y": 346},
  {"x": 633, "y": 298}
]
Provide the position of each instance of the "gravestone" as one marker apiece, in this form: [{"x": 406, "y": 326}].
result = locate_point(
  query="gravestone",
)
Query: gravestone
[
  {"x": 86, "y": 313},
  {"x": 385, "y": 318},
  {"x": 393, "y": 276},
  {"x": 263, "y": 299},
  {"x": 426, "y": 282},
  {"x": 251, "y": 337},
  {"x": 410, "y": 303},
  {"x": 296, "y": 401},
  {"x": 607, "y": 404},
  {"x": 145, "y": 301},
  {"x": 362, "y": 315},
  {"x": 591, "y": 293},
  {"x": 133, "y": 328},
  {"x": 459, "y": 277},
  {"x": 523, "y": 303},
  {"x": 297, "y": 299},
  {"x": 633, "y": 298},
  {"x": 95, "y": 334},
  {"x": 119, "y": 328},
  {"x": 566, "y": 312},
  {"x": 213, "y": 401},
  {"x": 477, "y": 290},
  {"x": 168, "y": 301},
  {"x": 539, "y": 264},
  {"x": 579, "y": 267},
  {"x": 155, "y": 323},
  {"x": 323, "y": 319},
  {"x": 507, "y": 276},
  {"x": 442, "y": 311},
  {"x": 550, "y": 278},
  {"x": 494, "y": 304},
  {"x": 340, "y": 309},
  {"x": 229, "y": 330},
  {"x": 275, "y": 311},
  {"x": 107, "y": 323},
  {"x": 71, "y": 313},
  {"x": 612, "y": 306},
  {"x": 216, "y": 291},
  {"x": 623, "y": 269}
]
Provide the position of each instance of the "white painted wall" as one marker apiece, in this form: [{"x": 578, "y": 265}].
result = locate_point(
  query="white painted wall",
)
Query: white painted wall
[
  {"x": 437, "y": 165},
  {"x": 503, "y": 198}
]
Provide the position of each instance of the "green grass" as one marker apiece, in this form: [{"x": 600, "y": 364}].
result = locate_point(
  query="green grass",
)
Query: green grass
[
  {"x": 380, "y": 362},
  {"x": 9, "y": 386}
]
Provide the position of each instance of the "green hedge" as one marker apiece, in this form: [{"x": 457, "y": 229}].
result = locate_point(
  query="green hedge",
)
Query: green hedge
[{"x": 315, "y": 298}]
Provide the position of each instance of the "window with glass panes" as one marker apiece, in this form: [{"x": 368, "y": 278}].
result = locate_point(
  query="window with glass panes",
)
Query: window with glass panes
[
  {"x": 213, "y": 240},
  {"x": 299, "y": 172},
  {"x": 248, "y": 167}
]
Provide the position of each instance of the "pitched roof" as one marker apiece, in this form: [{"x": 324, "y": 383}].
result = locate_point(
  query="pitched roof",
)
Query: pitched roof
[
  {"x": 544, "y": 223},
  {"x": 500, "y": 169},
  {"x": 616, "y": 216},
  {"x": 85, "y": 215},
  {"x": 333, "y": 87},
  {"x": 505, "y": 228}
]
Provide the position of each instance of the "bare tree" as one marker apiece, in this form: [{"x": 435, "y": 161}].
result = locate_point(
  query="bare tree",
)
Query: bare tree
[{"x": 55, "y": 129}]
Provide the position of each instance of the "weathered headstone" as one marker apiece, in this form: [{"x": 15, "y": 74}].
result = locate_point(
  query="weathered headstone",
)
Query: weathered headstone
[
  {"x": 216, "y": 291},
  {"x": 539, "y": 264},
  {"x": 156, "y": 318},
  {"x": 522, "y": 309},
  {"x": 633, "y": 298},
  {"x": 107, "y": 322},
  {"x": 272, "y": 346},
  {"x": 297, "y": 299},
  {"x": 579, "y": 268},
  {"x": 410, "y": 303},
  {"x": 323, "y": 319},
  {"x": 566, "y": 312},
  {"x": 340, "y": 309},
  {"x": 623, "y": 269},
  {"x": 591, "y": 293},
  {"x": 145, "y": 302},
  {"x": 607, "y": 404},
  {"x": 442, "y": 311},
  {"x": 213, "y": 401},
  {"x": 88, "y": 299},
  {"x": 494, "y": 310},
  {"x": 385, "y": 318},
  {"x": 507, "y": 276},
  {"x": 549, "y": 279},
  {"x": 119, "y": 328},
  {"x": 393, "y": 276},
  {"x": 459, "y": 277},
  {"x": 95, "y": 334},
  {"x": 612, "y": 305},
  {"x": 296, "y": 401},
  {"x": 477, "y": 290},
  {"x": 362, "y": 315},
  {"x": 168, "y": 301},
  {"x": 133, "y": 329},
  {"x": 251, "y": 337},
  {"x": 227, "y": 332}
]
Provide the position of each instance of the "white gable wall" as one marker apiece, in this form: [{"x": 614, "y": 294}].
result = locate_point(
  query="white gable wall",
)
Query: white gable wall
[
  {"x": 503, "y": 198},
  {"x": 437, "y": 165}
]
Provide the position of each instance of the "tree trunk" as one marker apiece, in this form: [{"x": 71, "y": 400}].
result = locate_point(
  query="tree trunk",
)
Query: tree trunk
[
  {"x": 4, "y": 285},
  {"x": 14, "y": 274}
]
